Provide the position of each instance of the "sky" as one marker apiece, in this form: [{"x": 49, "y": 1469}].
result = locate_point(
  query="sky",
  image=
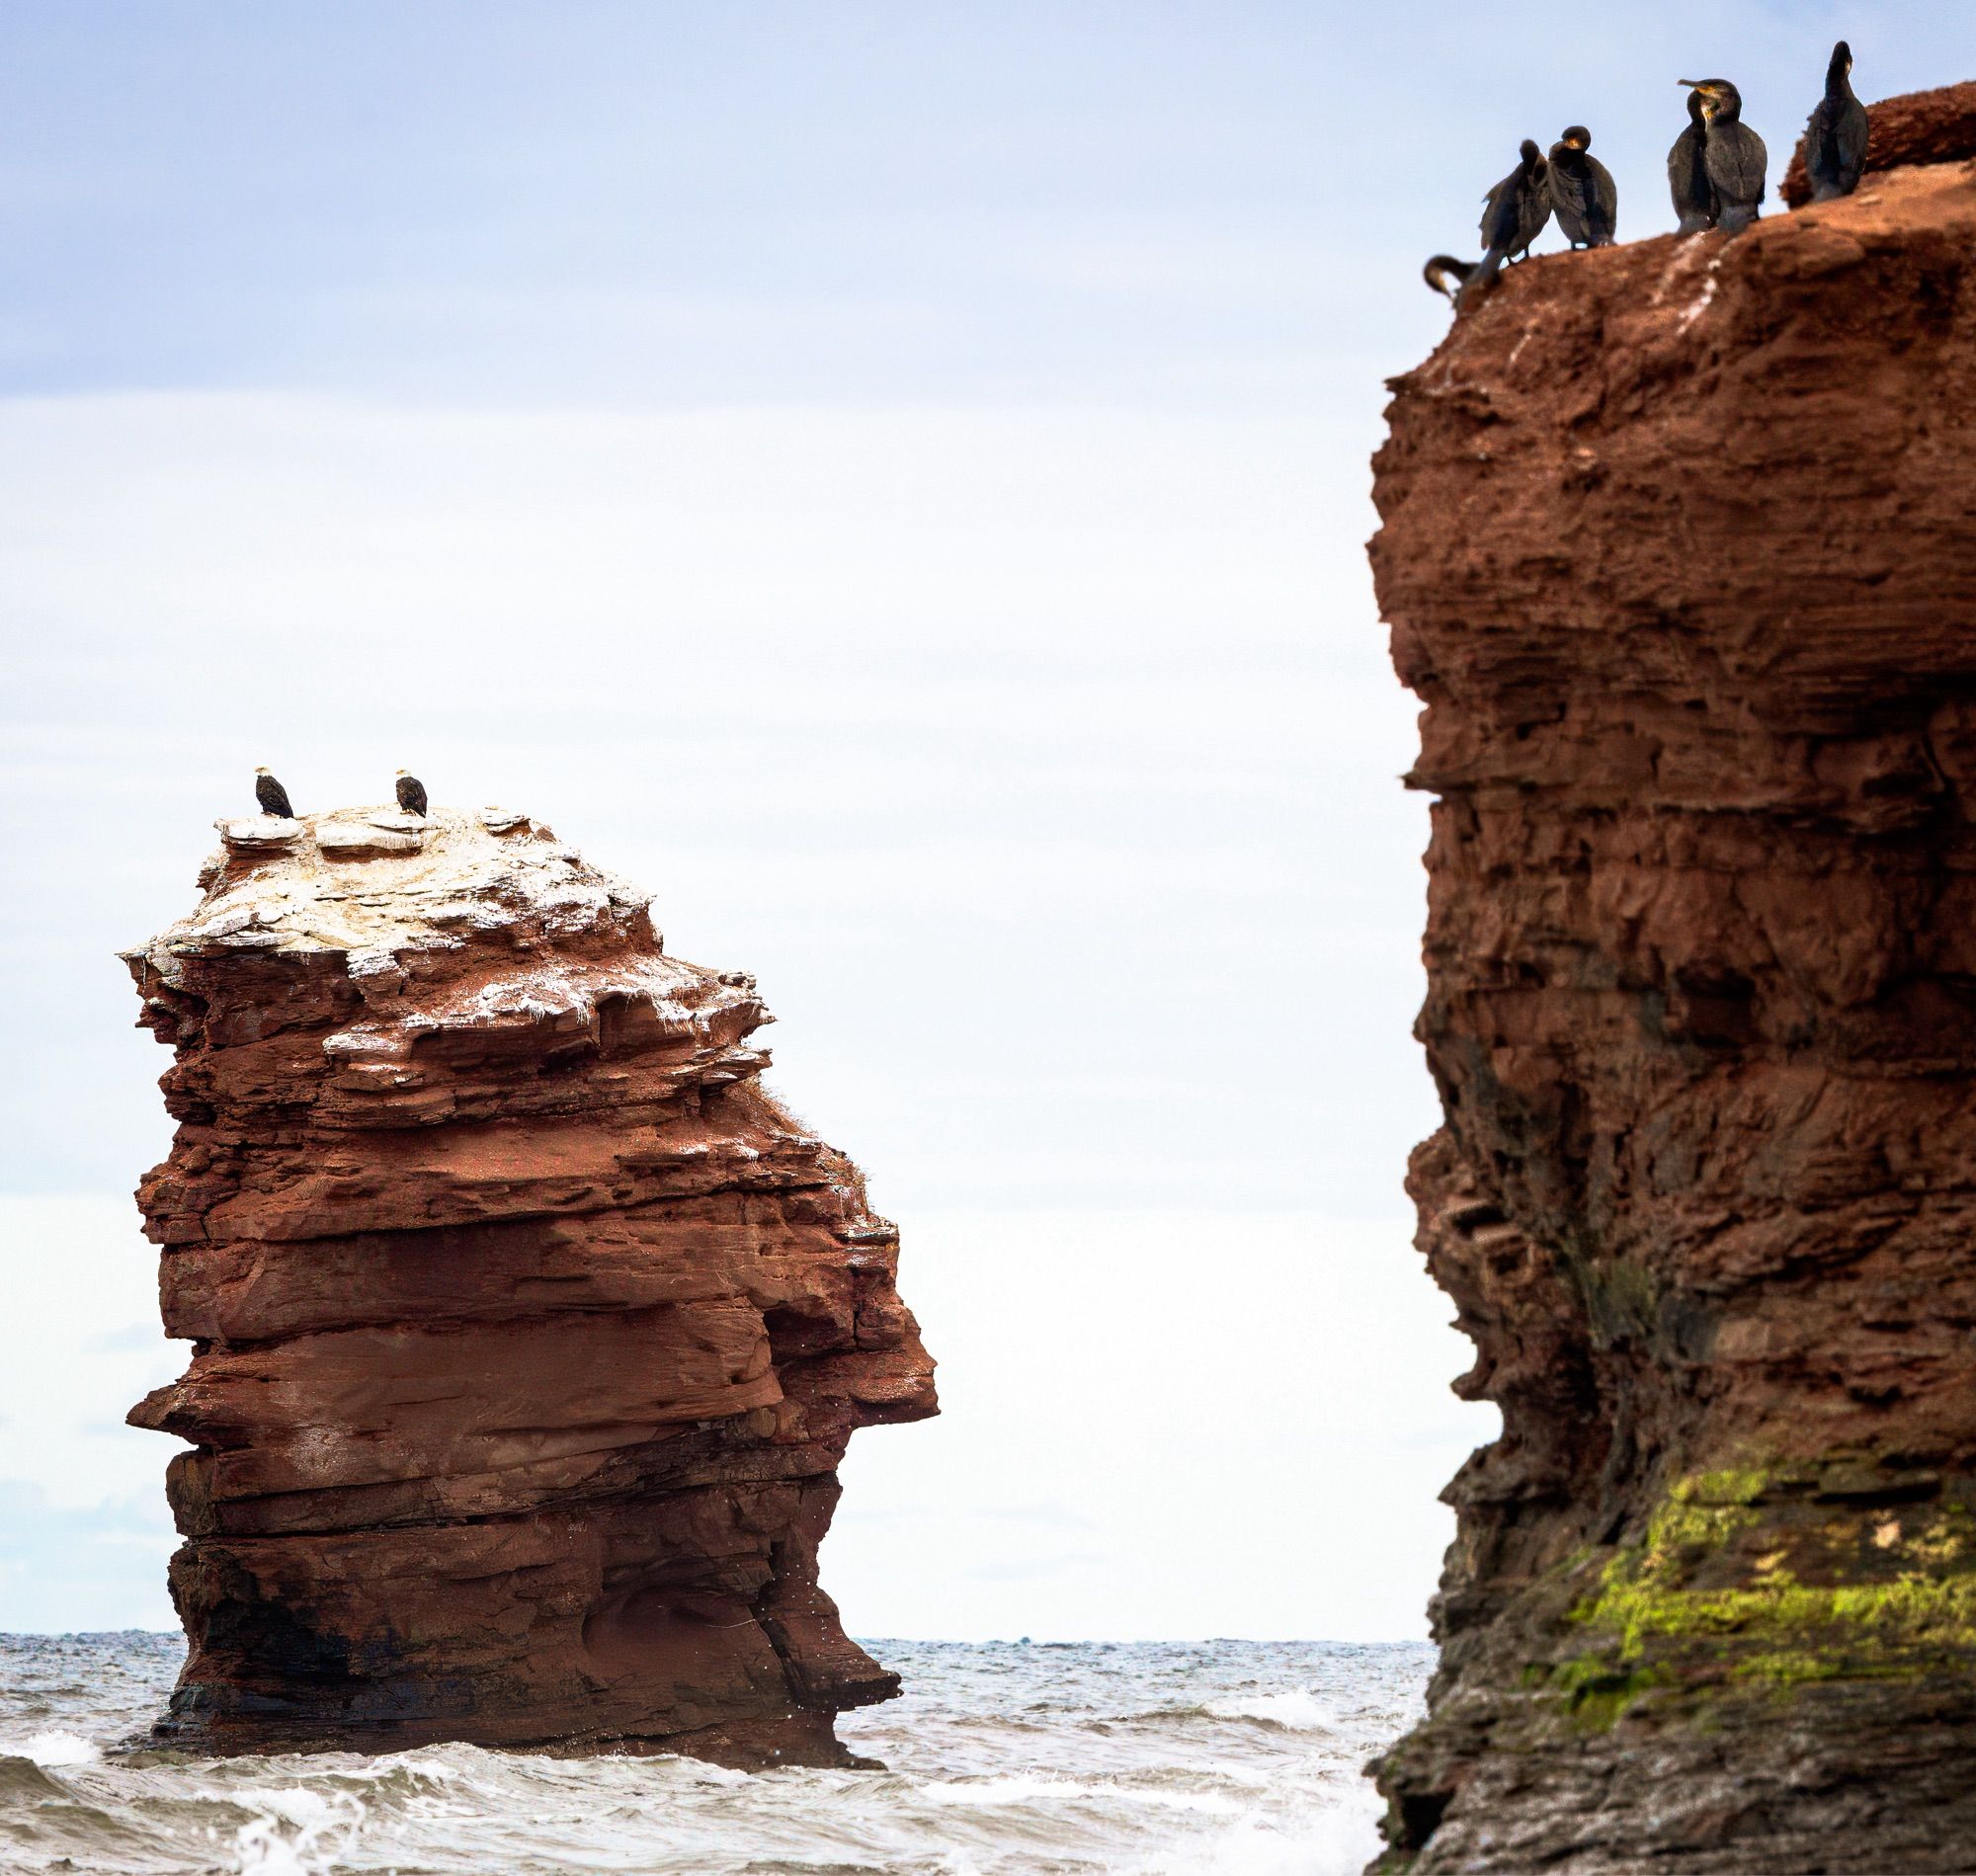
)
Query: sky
[{"x": 892, "y": 480}]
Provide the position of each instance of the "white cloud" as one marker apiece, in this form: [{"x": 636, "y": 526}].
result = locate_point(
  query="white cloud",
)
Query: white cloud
[
  {"x": 1154, "y": 1426},
  {"x": 83, "y": 1346},
  {"x": 1019, "y": 753},
  {"x": 1161, "y": 1426},
  {"x": 1041, "y": 764},
  {"x": 84, "y": 1532}
]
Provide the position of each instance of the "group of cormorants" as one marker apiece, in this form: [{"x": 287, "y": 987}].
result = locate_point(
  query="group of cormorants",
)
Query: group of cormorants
[
  {"x": 1715, "y": 175},
  {"x": 274, "y": 798}
]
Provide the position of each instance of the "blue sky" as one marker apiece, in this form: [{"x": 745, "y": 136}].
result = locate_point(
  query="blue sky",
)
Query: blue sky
[
  {"x": 988, "y": 203},
  {"x": 648, "y": 202},
  {"x": 892, "y": 479}
]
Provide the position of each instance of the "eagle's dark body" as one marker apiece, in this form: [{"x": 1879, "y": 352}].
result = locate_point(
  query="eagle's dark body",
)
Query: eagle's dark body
[
  {"x": 1513, "y": 214},
  {"x": 1583, "y": 195},
  {"x": 1694, "y": 199},
  {"x": 1734, "y": 154},
  {"x": 273, "y": 797},
  {"x": 411, "y": 794},
  {"x": 1835, "y": 139},
  {"x": 1736, "y": 160}
]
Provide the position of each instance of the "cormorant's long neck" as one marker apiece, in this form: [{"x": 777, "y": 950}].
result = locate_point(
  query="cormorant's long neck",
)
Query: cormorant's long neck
[{"x": 1838, "y": 78}]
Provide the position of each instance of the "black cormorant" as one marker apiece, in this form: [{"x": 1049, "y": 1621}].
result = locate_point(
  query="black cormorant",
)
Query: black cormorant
[
  {"x": 273, "y": 797},
  {"x": 1442, "y": 269},
  {"x": 1513, "y": 214},
  {"x": 1734, "y": 153},
  {"x": 1583, "y": 195},
  {"x": 1687, "y": 173},
  {"x": 411, "y": 792},
  {"x": 1835, "y": 138}
]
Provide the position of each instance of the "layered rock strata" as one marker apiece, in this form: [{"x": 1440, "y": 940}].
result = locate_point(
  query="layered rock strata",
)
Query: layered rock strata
[
  {"x": 528, "y": 1329},
  {"x": 1679, "y": 549}
]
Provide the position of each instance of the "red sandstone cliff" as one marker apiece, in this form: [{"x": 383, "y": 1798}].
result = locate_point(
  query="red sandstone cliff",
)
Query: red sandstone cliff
[
  {"x": 1679, "y": 549},
  {"x": 528, "y": 1329}
]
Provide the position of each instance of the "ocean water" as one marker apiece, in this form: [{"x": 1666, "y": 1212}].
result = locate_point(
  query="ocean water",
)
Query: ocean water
[{"x": 1235, "y": 1758}]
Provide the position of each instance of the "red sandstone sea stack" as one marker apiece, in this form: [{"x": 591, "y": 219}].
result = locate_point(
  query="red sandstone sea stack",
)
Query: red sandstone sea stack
[
  {"x": 1679, "y": 549},
  {"x": 529, "y": 1329}
]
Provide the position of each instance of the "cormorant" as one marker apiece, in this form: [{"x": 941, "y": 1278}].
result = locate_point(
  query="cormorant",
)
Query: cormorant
[
  {"x": 273, "y": 797},
  {"x": 1441, "y": 268},
  {"x": 1835, "y": 138},
  {"x": 1688, "y": 174},
  {"x": 411, "y": 792},
  {"x": 1513, "y": 214},
  {"x": 1733, "y": 152},
  {"x": 1583, "y": 195}
]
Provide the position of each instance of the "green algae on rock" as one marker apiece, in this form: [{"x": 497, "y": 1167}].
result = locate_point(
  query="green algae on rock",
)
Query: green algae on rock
[{"x": 1842, "y": 1593}]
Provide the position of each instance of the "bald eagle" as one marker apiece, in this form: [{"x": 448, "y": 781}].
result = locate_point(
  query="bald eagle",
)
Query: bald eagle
[
  {"x": 411, "y": 792},
  {"x": 273, "y": 797}
]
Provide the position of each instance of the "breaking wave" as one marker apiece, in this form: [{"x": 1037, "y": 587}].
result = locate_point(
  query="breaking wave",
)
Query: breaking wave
[
  {"x": 1227, "y": 1758},
  {"x": 1296, "y": 1710}
]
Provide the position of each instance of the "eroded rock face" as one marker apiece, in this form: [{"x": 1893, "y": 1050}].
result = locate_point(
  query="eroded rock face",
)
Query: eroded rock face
[
  {"x": 1679, "y": 549},
  {"x": 528, "y": 1328}
]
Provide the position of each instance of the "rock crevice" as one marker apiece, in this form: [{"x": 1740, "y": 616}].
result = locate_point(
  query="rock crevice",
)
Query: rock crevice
[
  {"x": 529, "y": 1329},
  {"x": 1679, "y": 551}
]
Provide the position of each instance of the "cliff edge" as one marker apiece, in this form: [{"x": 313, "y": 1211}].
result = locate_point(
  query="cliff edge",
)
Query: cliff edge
[
  {"x": 528, "y": 1328},
  {"x": 1679, "y": 551}
]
